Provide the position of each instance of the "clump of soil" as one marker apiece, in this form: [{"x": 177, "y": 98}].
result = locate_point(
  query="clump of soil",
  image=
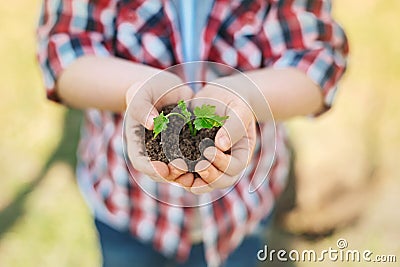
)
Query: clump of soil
[{"x": 177, "y": 142}]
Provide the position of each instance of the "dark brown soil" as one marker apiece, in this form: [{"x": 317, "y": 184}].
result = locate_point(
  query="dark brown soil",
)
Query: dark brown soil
[{"x": 177, "y": 142}]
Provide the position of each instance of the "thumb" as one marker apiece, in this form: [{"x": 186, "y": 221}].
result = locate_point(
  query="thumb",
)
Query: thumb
[
  {"x": 139, "y": 108},
  {"x": 235, "y": 127}
]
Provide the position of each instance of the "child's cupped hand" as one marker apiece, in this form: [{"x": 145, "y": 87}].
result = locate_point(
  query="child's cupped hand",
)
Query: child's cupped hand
[
  {"x": 143, "y": 102},
  {"x": 237, "y": 136}
]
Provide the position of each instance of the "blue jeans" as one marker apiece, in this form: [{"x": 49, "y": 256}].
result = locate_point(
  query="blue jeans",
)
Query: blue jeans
[{"x": 121, "y": 249}]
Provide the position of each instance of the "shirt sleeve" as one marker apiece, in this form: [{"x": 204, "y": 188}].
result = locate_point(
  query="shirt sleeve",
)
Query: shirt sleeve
[
  {"x": 303, "y": 35},
  {"x": 69, "y": 29}
]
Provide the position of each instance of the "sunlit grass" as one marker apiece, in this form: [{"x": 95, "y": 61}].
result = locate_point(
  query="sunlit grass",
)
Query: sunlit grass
[
  {"x": 47, "y": 222},
  {"x": 56, "y": 229},
  {"x": 359, "y": 140}
]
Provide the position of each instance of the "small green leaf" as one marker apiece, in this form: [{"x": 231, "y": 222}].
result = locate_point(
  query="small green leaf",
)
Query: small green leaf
[
  {"x": 204, "y": 111},
  {"x": 160, "y": 124},
  {"x": 185, "y": 112},
  {"x": 203, "y": 123},
  {"x": 206, "y": 117}
]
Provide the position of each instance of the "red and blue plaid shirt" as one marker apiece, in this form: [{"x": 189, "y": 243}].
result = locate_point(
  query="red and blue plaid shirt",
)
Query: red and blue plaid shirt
[{"x": 243, "y": 34}]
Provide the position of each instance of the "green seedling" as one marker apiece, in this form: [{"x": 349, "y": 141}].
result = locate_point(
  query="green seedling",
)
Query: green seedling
[{"x": 204, "y": 118}]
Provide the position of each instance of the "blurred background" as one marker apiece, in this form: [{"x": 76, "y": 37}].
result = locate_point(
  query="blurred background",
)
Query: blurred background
[{"x": 347, "y": 175}]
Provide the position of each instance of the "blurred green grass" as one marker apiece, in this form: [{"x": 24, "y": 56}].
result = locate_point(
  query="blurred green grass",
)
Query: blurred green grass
[{"x": 43, "y": 220}]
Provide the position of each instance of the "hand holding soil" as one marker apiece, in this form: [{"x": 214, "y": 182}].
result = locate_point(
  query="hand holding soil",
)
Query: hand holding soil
[
  {"x": 234, "y": 142},
  {"x": 143, "y": 106},
  {"x": 203, "y": 146}
]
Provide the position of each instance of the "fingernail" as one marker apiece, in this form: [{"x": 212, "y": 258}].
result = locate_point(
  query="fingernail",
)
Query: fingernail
[
  {"x": 224, "y": 142},
  {"x": 202, "y": 166},
  {"x": 209, "y": 153},
  {"x": 150, "y": 121},
  {"x": 179, "y": 164}
]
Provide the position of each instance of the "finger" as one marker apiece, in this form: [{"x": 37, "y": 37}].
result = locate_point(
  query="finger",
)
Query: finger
[
  {"x": 167, "y": 88},
  {"x": 156, "y": 170},
  {"x": 177, "y": 167},
  {"x": 140, "y": 108},
  {"x": 144, "y": 101},
  {"x": 202, "y": 168},
  {"x": 186, "y": 180},
  {"x": 216, "y": 179},
  {"x": 235, "y": 127},
  {"x": 200, "y": 187},
  {"x": 231, "y": 164},
  {"x": 239, "y": 156}
]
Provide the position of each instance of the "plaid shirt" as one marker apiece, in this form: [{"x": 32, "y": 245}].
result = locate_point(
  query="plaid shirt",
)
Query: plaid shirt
[{"x": 243, "y": 34}]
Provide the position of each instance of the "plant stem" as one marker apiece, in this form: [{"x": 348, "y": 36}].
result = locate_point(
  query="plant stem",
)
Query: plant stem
[{"x": 192, "y": 130}]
